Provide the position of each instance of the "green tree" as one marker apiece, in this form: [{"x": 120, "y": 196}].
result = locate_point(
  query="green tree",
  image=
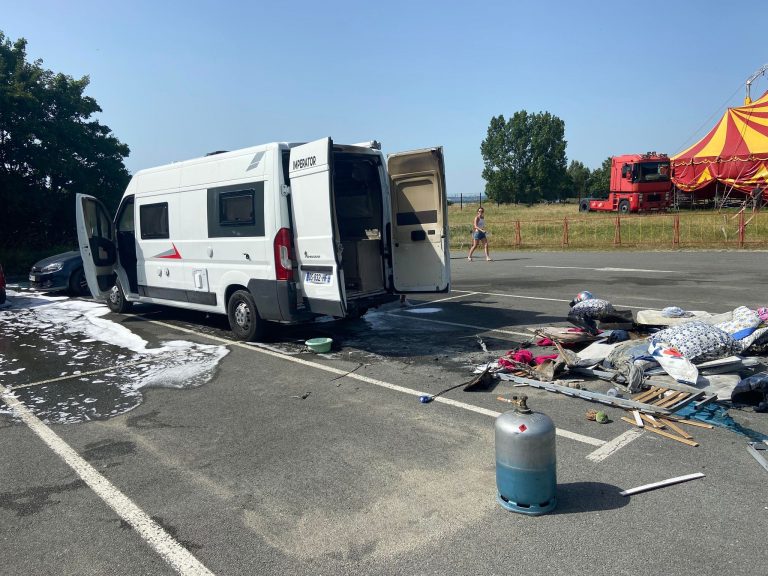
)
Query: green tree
[
  {"x": 549, "y": 176},
  {"x": 578, "y": 175},
  {"x": 600, "y": 180},
  {"x": 524, "y": 158},
  {"x": 498, "y": 171},
  {"x": 50, "y": 149}
]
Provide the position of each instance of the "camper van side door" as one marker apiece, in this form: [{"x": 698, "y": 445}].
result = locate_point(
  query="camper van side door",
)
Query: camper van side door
[
  {"x": 420, "y": 253},
  {"x": 315, "y": 235},
  {"x": 96, "y": 236}
]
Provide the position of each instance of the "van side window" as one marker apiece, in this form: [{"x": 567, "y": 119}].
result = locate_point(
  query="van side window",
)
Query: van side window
[
  {"x": 125, "y": 220},
  {"x": 236, "y": 210},
  {"x": 153, "y": 220}
]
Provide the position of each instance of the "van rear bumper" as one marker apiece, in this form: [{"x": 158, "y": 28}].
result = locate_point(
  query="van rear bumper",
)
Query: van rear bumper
[{"x": 275, "y": 300}]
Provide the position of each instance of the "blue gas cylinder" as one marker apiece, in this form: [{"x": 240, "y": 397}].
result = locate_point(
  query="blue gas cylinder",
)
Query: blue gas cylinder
[{"x": 526, "y": 462}]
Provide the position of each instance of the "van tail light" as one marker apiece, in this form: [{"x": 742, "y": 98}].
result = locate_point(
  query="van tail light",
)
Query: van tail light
[{"x": 283, "y": 254}]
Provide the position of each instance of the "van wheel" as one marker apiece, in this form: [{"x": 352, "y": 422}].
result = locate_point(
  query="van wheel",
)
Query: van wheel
[
  {"x": 584, "y": 206},
  {"x": 78, "y": 286},
  {"x": 116, "y": 301},
  {"x": 624, "y": 206},
  {"x": 243, "y": 317}
]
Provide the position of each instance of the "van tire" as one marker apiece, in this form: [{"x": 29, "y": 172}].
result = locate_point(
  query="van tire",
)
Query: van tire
[
  {"x": 77, "y": 284},
  {"x": 584, "y": 206},
  {"x": 116, "y": 301},
  {"x": 244, "y": 319},
  {"x": 624, "y": 206}
]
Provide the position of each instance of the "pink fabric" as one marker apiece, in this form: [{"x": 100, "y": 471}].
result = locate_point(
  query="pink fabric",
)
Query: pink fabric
[
  {"x": 581, "y": 330},
  {"x": 544, "y": 342},
  {"x": 522, "y": 356},
  {"x": 763, "y": 314},
  {"x": 504, "y": 363},
  {"x": 541, "y": 359}
]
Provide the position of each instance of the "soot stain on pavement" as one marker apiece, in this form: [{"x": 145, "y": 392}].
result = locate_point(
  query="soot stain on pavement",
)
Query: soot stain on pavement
[{"x": 34, "y": 500}]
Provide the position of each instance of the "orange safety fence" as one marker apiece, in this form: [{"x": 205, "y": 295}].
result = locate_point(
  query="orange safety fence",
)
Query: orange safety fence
[{"x": 659, "y": 230}]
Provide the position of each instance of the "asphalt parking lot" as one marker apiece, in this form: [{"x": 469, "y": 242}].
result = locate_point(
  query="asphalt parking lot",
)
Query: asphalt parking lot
[{"x": 177, "y": 450}]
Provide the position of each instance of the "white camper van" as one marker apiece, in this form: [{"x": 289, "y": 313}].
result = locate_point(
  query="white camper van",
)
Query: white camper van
[{"x": 274, "y": 233}]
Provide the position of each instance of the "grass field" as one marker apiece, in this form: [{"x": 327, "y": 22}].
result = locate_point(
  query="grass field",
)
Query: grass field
[{"x": 562, "y": 226}]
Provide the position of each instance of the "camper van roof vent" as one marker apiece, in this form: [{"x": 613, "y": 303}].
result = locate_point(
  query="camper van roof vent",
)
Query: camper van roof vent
[{"x": 216, "y": 152}]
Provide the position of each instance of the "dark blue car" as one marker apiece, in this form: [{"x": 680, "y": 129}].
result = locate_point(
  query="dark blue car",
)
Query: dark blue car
[{"x": 62, "y": 272}]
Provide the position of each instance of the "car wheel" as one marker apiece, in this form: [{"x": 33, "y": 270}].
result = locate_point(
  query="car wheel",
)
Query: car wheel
[
  {"x": 243, "y": 317},
  {"x": 78, "y": 285},
  {"x": 624, "y": 206},
  {"x": 116, "y": 301},
  {"x": 584, "y": 206}
]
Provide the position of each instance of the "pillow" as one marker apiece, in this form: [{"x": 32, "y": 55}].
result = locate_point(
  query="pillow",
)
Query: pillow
[
  {"x": 592, "y": 308},
  {"x": 697, "y": 341},
  {"x": 742, "y": 324}
]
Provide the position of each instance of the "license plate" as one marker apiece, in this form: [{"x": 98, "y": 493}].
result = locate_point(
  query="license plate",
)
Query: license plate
[{"x": 317, "y": 278}]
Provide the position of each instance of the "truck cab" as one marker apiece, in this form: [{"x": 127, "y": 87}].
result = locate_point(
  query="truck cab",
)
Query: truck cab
[{"x": 639, "y": 183}]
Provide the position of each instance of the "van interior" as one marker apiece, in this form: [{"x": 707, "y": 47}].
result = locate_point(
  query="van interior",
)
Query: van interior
[{"x": 359, "y": 215}]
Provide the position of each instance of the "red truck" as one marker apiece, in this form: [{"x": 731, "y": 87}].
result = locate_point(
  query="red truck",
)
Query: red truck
[{"x": 639, "y": 183}]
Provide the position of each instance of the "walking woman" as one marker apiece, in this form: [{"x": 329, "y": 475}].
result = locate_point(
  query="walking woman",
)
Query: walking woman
[{"x": 478, "y": 235}]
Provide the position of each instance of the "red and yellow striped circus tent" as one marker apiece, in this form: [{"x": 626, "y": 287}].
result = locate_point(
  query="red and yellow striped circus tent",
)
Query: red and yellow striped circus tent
[{"x": 735, "y": 153}]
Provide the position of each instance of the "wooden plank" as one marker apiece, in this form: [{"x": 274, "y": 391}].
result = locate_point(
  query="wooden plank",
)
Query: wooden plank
[
  {"x": 672, "y": 436},
  {"x": 687, "y": 400},
  {"x": 648, "y": 394},
  {"x": 676, "y": 428},
  {"x": 690, "y": 422},
  {"x": 673, "y": 399},
  {"x": 655, "y": 422},
  {"x": 638, "y": 419},
  {"x": 652, "y": 421},
  {"x": 664, "y": 398}
]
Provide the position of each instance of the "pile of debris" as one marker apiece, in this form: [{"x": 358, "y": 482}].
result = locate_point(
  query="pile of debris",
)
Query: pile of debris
[{"x": 656, "y": 363}]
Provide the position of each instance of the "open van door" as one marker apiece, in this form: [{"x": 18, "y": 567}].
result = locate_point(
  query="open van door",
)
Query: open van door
[
  {"x": 96, "y": 236},
  {"x": 315, "y": 230},
  {"x": 420, "y": 252}
]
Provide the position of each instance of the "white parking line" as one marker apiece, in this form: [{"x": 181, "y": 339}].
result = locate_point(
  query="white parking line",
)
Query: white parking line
[
  {"x": 172, "y": 552},
  {"x": 608, "y": 269},
  {"x": 614, "y": 445},
  {"x": 78, "y": 374},
  {"x": 505, "y": 295},
  {"x": 460, "y": 325},
  {"x": 443, "y": 299},
  {"x": 366, "y": 379}
]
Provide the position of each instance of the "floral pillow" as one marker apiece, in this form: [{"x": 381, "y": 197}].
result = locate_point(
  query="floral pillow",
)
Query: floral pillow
[{"x": 697, "y": 341}]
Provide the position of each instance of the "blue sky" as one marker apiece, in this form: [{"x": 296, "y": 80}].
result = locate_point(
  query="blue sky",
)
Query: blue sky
[{"x": 178, "y": 79}]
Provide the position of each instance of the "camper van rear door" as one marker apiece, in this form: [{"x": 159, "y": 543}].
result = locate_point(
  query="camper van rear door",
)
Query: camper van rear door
[
  {"x": 96, "y": 236},
  {"x": 311, "y": 173},
  {"x": 420, "y": 254}
]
